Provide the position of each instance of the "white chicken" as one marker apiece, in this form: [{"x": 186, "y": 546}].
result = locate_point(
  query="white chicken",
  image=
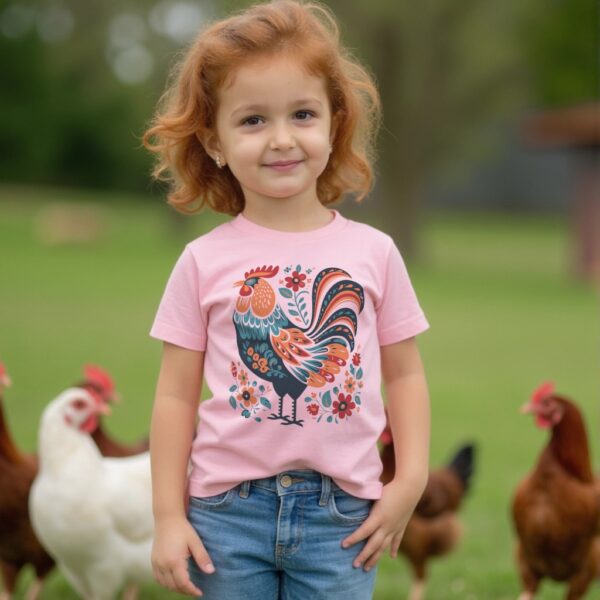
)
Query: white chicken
[{"x": 93, "y": 514}]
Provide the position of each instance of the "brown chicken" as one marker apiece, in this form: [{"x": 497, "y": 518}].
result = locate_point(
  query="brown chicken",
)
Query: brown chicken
[
  {"x": 99, "y": 383},
  {"x": 556, "y": 508},
  {"x": 434, "y": 528},
  {"x": 18, "y": 544}
]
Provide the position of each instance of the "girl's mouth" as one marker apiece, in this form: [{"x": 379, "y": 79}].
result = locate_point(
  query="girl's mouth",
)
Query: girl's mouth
[{"x": 286, "y": 165}]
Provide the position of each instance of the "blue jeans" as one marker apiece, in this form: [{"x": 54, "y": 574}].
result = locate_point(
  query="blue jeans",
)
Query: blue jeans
[{"x": 279, "y": 538}]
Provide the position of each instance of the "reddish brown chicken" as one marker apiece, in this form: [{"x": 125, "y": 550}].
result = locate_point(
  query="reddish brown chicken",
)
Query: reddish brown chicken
[
  {"x": 18, "y": 544},
  {"x": 99, "y": 383},
  {"x": 434, "y": 528},
  {"x": 556, "y": 508}
]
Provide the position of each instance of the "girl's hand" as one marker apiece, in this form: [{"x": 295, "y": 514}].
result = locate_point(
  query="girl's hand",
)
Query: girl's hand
[
  {"x": 385, "y": 524},
  {"x": 174, "y": 541}
]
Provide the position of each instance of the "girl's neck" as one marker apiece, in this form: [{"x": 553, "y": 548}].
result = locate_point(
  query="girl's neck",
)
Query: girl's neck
[{"x": 283, "y": 215}]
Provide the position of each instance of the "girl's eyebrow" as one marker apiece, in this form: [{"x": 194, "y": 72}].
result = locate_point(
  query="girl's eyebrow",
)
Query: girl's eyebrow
[{"x": 261, "y": 107}]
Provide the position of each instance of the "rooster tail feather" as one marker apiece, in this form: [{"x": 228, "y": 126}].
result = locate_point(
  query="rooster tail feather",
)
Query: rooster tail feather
[
  {"x": 343, "y": 300},
  {"x": 463, "y": 464}
]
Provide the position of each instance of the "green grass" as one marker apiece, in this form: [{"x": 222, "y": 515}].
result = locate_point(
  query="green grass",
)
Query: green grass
[{"x": 504, "y": 312}]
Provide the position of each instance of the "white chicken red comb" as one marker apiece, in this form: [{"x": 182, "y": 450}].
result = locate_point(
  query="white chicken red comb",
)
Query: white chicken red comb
[
  {"x": 543, "y": 391},
  {"x": 99, "y": 377}
]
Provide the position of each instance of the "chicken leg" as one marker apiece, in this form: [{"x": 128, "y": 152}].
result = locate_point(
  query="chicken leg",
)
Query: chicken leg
[{"x": 285, "y": 418}]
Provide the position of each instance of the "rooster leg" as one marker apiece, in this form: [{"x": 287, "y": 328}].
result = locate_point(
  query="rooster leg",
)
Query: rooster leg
[
  {"x": 285, "y": 418},
  {"x": 9, "y": 578},
  {"x": 131, "y": 592},
  {"x": 416, "y": 590},
  {"x": 280, "y": 415},
  {"x": 33, "y": 591}
]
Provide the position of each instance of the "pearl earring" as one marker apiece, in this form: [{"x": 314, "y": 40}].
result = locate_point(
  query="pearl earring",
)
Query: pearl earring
[{"x": 218, "y": 161}]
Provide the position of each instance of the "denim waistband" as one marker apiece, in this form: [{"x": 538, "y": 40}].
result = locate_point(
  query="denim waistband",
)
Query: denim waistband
[{"x": 294, "y": 481}]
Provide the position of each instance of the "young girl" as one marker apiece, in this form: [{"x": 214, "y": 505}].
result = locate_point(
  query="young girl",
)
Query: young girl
[{"x": 292, "y": 312}]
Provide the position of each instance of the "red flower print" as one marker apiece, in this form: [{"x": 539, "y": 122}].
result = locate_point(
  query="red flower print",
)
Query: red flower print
[
  {"x": 233, "y": 369},
  {"x": 313, "y": 409},
  {"x": 343, "y": 406},
  {"x": 356, "y": 359},
  {"x": 296, "y": 281}
]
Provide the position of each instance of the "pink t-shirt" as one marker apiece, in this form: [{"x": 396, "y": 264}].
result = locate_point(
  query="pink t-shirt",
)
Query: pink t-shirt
[{"x": 291, "y": 324}]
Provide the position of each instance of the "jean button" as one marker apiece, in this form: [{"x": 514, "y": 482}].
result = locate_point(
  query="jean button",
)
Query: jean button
[{"x": 285, "y": 481}]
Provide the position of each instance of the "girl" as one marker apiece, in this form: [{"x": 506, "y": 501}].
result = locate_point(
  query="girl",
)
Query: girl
[{"x": 292, "y": 311}]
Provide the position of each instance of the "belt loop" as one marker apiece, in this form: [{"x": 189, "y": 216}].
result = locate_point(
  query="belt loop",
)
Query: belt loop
[
  {"x": 325, "y": 489},
  {"x": 245, "y": 489}
]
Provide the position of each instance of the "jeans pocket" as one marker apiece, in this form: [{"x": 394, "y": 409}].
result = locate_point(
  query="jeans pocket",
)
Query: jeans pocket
[
  {"x": 215, "y": 502},
  {"x": 348, "y": 509}
]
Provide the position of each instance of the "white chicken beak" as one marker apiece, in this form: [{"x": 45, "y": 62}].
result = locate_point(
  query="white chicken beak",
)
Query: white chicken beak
[{"x": 104, "y": 409}]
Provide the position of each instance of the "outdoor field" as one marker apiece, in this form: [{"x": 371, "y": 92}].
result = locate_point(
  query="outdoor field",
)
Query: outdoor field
[{"x": 505, "y": 315}]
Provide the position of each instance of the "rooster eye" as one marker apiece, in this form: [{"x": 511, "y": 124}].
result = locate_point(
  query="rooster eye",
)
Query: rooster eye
[{"x": 79, "y": 404}]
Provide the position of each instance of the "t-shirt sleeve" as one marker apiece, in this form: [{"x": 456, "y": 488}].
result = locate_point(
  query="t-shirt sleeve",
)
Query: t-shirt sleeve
[
  {"x": 179, "y": 317},
  {"x": 399, "y": 315}
]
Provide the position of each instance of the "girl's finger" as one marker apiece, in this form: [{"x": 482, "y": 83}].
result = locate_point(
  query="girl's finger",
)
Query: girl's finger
[
  {"x": 395, "y": 545},
  {"x": 374, "y": 543},
  {"x": 363, "y": 532},
  {"x": 184, "y": 584},
  {"x": 373, "y": 559}
]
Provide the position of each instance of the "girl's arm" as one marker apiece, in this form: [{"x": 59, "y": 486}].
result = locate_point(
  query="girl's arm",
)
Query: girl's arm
[
  {"x": 171, "y": 433},
  {"x": 408, "y": 409}
]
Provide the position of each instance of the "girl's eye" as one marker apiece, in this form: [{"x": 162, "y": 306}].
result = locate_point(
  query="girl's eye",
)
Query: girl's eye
[
  {"x": 253, "y": 120},
  {"x": 304, "y": 115}
]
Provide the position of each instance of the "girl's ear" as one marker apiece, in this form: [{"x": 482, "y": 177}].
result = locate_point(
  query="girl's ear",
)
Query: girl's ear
[{"x": 211, "y": 144}]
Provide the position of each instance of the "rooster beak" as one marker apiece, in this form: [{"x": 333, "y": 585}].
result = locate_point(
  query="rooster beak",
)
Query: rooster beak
[
  {"x": 526, "y": 409},
  {"x": 238, "y": 284},
  {"x": 104, "y": 409},
  {"x": 5, "y": 380}
]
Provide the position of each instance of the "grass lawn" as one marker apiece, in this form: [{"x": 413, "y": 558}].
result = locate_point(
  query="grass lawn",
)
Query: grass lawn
[{"x": 504, "y": 312}]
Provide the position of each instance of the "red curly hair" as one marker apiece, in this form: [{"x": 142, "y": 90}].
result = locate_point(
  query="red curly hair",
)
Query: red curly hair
[{"x": 186, "y": 112}]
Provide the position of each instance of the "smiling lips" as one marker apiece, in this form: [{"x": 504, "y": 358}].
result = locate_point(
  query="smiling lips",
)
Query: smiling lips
[{"x": 283, "y": 165}]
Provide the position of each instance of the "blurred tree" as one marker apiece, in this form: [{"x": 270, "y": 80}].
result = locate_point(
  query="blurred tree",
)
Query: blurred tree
[
  {"x": 447, "y": 71},
  {"x": 561, "y": 45}
]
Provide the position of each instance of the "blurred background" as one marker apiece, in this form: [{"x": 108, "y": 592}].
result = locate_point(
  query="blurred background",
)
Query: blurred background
[{"x": 488, "y": 178}]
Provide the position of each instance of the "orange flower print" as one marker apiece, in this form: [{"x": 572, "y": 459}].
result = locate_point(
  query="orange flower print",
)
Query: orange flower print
[
  {"x": 343, "y": 406},
  {"x": 356, "y": 359},
  {"x": 247, "y": 397},
  {"x": 313, "y": 409},
  {"x": 296, "y": 281},
  {"x": 243, "y": 377},
  {"x": 350, "y": 385}
]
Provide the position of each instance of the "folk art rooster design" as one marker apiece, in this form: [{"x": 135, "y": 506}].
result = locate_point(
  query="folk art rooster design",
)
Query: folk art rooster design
[{"x": 289, "y": 356}]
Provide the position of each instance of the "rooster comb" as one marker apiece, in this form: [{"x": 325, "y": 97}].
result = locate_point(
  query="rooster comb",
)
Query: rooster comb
[
  {"x": 2, "y": 369},
  {"x": 543, "y": 391},
  {"x": 263, "y": 271},
  {"x": 99, "y": 377}
]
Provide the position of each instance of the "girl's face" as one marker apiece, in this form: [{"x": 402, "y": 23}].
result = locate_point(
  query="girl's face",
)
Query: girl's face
[{"x": 273, "y": 129}]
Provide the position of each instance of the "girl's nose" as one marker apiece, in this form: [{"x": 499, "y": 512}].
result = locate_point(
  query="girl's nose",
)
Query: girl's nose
[{"x": 282, "y": 138}]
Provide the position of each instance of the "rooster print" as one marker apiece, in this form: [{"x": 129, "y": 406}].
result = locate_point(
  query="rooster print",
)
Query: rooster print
[{"x": 290, "y": 356}]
